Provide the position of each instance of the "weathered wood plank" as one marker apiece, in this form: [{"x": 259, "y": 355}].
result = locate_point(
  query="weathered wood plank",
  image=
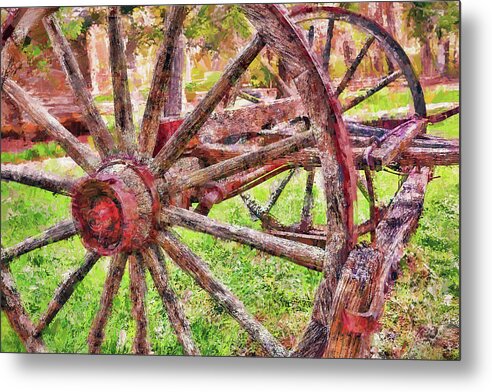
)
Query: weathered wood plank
[
  {"x": 424, "y": 150},
  {"x": 103, "y": 140},
  {"x": 396, "y": 142},
  {"x": 359, "y": 300},
  {"x": 194, "y": 266}
]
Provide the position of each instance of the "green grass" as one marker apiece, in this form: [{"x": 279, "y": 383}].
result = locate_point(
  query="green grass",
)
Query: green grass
[
  {"x": 277, "y": 292},
  {"x": 36, "y": 152}
]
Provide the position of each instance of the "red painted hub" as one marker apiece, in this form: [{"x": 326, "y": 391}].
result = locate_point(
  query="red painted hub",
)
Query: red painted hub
[{"x": 116, "y": 210}]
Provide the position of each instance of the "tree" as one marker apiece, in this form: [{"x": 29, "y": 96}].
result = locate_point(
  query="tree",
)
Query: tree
[{"x": 433, "y": 20}]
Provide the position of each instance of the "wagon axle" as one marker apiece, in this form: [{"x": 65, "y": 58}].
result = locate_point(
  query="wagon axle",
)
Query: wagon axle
[{"x": 115, "y": 211}]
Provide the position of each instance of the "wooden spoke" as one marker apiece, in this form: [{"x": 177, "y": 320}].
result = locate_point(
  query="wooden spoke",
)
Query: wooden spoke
[
  {"x": 193, "y": 122},
  {"x": 248, "y": 97},
  {"x": 382, "y": 83},
  {"x": 138, "y": 290},
  {"x": 14, "y": 39},
  {"x": 65, "y": 291},
  {"x": 373, "y": 211},
  {"x": 95, "y": 123},
  {"x": 194, "y": 266},
  {"x": 111, "y": 286},
  {"x": 362, "y": 185},
  {"x": 11, "y": 21},
  {"x": 306, "y": 214},
  {"x": 159, "y": 88},
  {"x": 61, "y": 231},
  {"x": 310, "y": 36},
  {"x": 327, "y": 48},
  {"x": 23, "y": 174},
  {"x": 155, "y": 262},
  {"x": 305, "y": 255},
  {"x": 353, "y": 67},
  {"x": 11, "y": 304},
  {"x": 123, "y": 111},
  {"x": 274, "y": 196},
  {"x": 78, "y": 151},
  {"x": 243, "y": 162},
  {"x": 284, "y": 88}
]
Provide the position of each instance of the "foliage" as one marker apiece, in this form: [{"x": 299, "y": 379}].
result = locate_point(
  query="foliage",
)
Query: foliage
[
  {"x": 215, "y": 26},
  {"x": 433, "y": 18},
  {"x": 36, "y": 152}
]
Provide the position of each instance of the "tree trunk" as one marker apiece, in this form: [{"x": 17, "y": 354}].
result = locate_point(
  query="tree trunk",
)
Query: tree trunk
[
  {"x": 174, "y": 103},
  {"x": 388, "y": 11},
  {"x": 426, "y": 56}
]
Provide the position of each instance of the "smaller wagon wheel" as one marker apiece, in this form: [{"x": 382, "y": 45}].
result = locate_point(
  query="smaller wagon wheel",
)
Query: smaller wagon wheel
[{"x": 364, "y": 133}]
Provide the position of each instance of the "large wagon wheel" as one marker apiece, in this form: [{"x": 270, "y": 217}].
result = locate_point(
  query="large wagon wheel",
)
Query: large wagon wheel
[
  {"x": 399, "y": 67},
  {"x": 121, "y": 208}
]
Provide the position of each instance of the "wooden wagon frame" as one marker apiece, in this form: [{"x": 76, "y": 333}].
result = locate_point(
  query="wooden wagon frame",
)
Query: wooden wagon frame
[{"x": 134, "y": 193}]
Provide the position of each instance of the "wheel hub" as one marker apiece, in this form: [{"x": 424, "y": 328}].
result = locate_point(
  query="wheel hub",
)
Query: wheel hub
[{"x": 116, "y": 210}]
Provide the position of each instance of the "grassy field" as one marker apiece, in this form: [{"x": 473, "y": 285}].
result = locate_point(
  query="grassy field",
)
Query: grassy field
[{"x": 421, "y": 317}]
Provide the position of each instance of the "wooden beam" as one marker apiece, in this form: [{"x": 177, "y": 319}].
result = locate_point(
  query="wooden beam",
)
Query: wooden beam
[
  {"x": 397, "y": 142},
  {"x": 241, "y": 163},
  {"x": 359, "y": 299}
]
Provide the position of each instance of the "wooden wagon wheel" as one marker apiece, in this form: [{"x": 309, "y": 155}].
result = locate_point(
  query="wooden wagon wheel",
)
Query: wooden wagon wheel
[
  {"x": 121, "y": 208},
  {"x": 361, "y": 135}
]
